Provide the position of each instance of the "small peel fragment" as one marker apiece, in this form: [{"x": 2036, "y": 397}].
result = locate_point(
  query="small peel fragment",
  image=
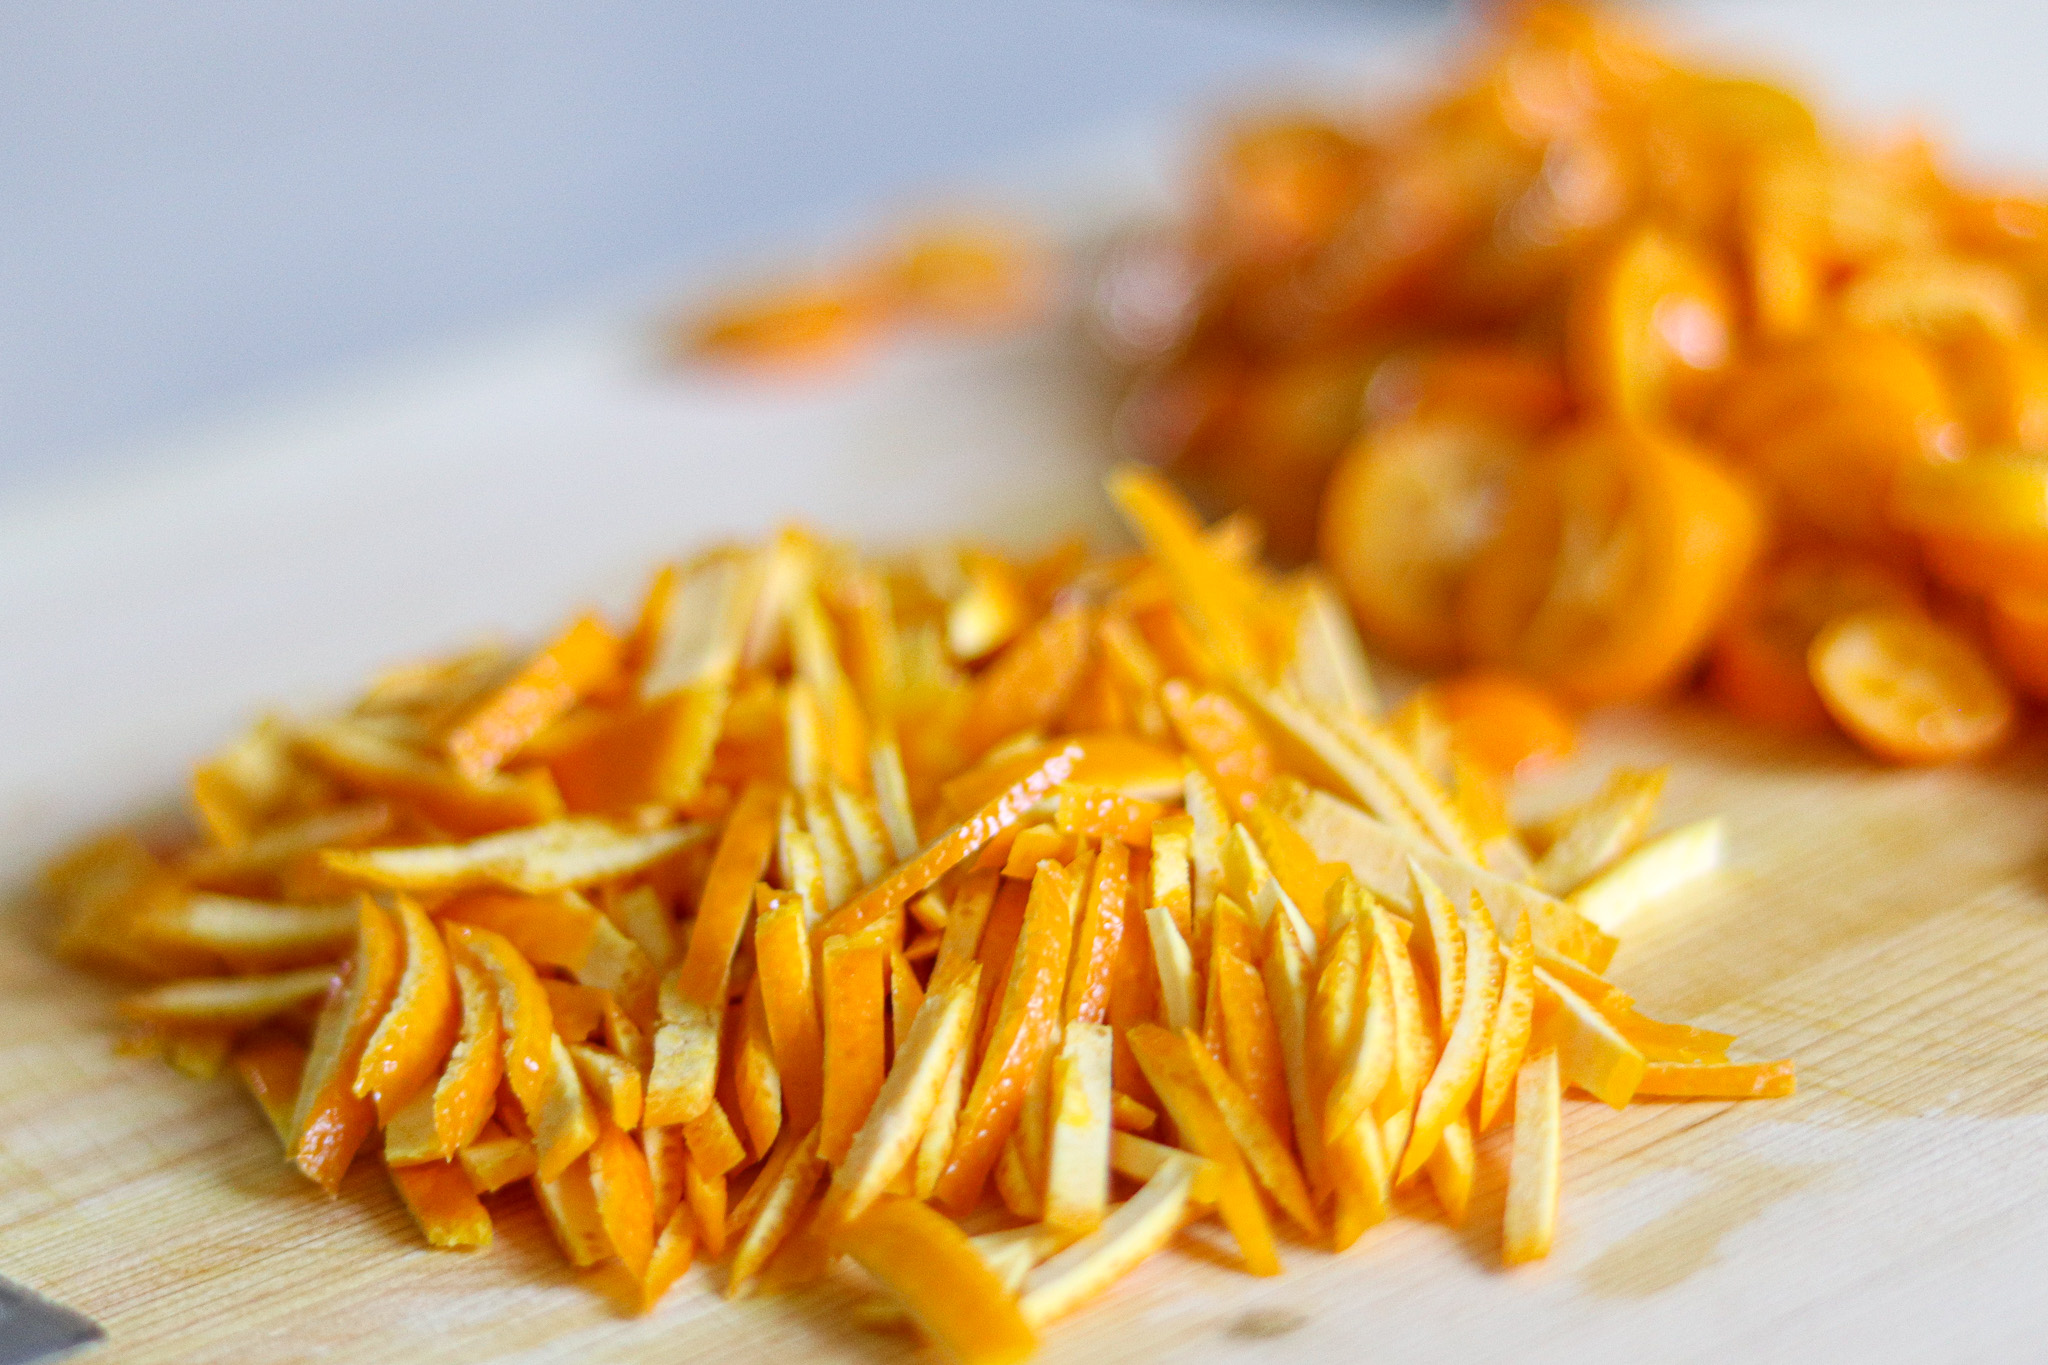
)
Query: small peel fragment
[
  {"x": 1591, "y": 1053},
  {"x": 1139, "y": 1226},
  {"x": 888, "y": 1140},
  {"x": 1649, "y": 873},
  {"x": 931, "y": 1268},
  {"x": 238, "y": 1000},
  {"x": 550, "y": 857},
  {"x": 1077, "y": 1170},
  {"x": 1719, "y": 1080},
  {"x": 1529, "y": 1222},
  {"x": 442, "y": 1201}
]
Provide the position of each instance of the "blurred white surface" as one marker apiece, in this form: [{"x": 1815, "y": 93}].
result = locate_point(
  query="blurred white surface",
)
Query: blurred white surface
[
  {"x": 205, "y": 202},
  {"x": 207, "y": 205}
]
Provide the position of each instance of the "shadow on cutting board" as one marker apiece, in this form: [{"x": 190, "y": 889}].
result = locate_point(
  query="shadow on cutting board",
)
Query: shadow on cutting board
[{"x": 1672, "y": 1247}]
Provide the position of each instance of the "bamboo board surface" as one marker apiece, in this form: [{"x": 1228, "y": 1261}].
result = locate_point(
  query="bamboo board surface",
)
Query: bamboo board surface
[{"x": 1889, "y": 930}]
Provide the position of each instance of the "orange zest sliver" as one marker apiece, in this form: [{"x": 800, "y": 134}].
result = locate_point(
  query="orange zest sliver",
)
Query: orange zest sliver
[
  {"x": 1094, "y": 812},
  {"x": 1718, "y": 1080},
  {"x": 1020, "y": 1035},
  {"x": 330, "y": 1120},
  {"x": 449, "y": 1114},
  {"x": 1513, "y": 1022},
  {"x": 728, "y": 895},
  {"x": 547, "y": 931},
  {"x": 674, "y": 1251},
  {"x": 853, "y": 973},
  {"x": 1531, "y": 1219},
  {"x": 1171, "y": 1068},
  {"x": 1264, "y": 1149},
  {"x": 1217, "y": 592},
  {"x": 527, "y": 1021},
  {"x": 444, "y": 1204},
  {"x": 782, "y": 957},
  {"x": 1024, "y": 687},
  {"x": 935, "y": 1272},
  {"x": 1503, "y": 722},
  {"x": 956, "y": 844},
  {"x": 366, "y": 761},
  {"x": 420, "y": 1024},
  {"x": 625, "y": 1198},
  {"x": 1223, "y": 739},
  {"x": 1100, "y": 936},
  {"x": 549, "y": 684}
]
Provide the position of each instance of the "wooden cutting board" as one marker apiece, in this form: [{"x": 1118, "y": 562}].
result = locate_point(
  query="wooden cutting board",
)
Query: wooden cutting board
[{"x": 1887, "y": 929}]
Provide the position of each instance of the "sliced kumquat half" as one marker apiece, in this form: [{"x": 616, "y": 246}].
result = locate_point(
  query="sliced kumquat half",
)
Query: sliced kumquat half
[
  {"x": 1758, "y": 667},
  {"x": 1908, "y": 688},
  {"x": 1617, "y": 554},
  {"x": 1832, "y": 424},
  {"x": 2017, "y": 624},
  {"x": 1409, "y": 507},
  {"x": 1650, "y": 326}
]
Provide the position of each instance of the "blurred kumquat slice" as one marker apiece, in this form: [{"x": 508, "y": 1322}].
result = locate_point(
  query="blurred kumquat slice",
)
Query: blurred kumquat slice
[
  {"x": 2017, "y": 624},
  {"x": 1617, "y": 553},
  {"x": 1908, "y": 688},
  {"x": 1758, "y": 667},
  {"x": 1649, "y": 327},
  {"x": 1409, "y": 508}
]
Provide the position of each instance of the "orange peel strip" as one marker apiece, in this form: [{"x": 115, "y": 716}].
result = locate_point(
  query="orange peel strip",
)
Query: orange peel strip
[
  {"x": 957, "y": 844},
  {"x": 931, "y": 1268},
  {"x": 584, "y": 656},
  {"x": 329, "y": 1120},
  {"x": 441, "y": 1200},
  {"x": 1719, "y": 1080},
  {"x": 1169, "y": 1065}
]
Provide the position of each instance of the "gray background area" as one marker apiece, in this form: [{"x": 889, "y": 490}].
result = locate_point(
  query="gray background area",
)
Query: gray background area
[
  {"x": 209, "y": 205},
  {"x": 200, "y": 203}
]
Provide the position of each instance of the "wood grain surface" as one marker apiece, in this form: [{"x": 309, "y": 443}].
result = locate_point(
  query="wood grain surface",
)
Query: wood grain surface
[{"x": 1889, "y": 929}]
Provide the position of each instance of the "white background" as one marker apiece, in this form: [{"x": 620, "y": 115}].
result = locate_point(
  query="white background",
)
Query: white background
[
  {"x": 206, "y": 207},
  {"x": 204, "y": 203}
]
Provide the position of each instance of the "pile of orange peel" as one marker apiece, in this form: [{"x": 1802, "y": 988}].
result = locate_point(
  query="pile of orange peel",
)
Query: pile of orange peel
[
  {"x": 979, "y": 921},
  {"x": 1603, "y": 372}
]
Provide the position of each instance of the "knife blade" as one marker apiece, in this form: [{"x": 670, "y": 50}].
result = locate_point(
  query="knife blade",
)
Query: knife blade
[{"x": 34, "y": 1330}]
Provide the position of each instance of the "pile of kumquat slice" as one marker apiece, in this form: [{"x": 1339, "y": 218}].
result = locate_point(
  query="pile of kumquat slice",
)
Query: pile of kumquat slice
[
  {"x": 980, "y": 921},
  {"x": 1607, "y": 373}
]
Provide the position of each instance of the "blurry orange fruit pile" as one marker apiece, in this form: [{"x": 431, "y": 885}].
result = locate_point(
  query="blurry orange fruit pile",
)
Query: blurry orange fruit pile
[
  {"x": 1597, "y": 369},
  {"x": 980, "y": 921}
]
